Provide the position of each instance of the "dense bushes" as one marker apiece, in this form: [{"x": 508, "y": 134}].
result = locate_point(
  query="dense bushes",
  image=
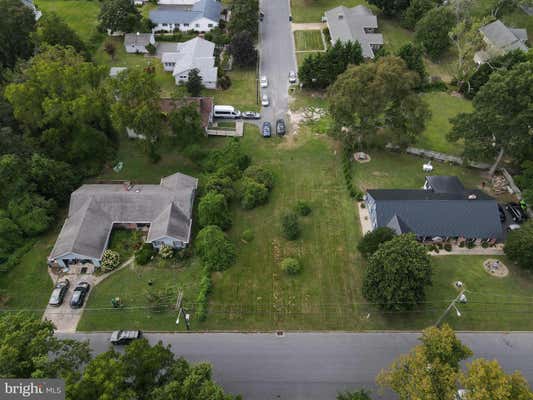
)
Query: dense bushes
[
  {"x": 144, "y": 254},
  {"x": 371, "y": 241},
  {"x": 291, "y": 266},
  {"x": 166, "y": 252},
  {"x": 253, "y": 193},
  {"x": 261, "y": 175},
  {"x": 519, "y": 246},
  {"x": 203, "y": 295},
  {"x": 302, "y": 208},
  {"x": 214, "y": 248},
  {"x": 213, "y": 210},
  {"x": 347, "y": 172},
  {"x": 110, "y": 260},
  {"x": 290, "y": 227}
]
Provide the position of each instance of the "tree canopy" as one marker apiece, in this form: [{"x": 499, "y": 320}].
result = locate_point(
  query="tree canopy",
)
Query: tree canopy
[
  {"x": 17, "y": 23},
  {"x": 416, "y": 10},
  {"x": 214, "y": 248},
  {"x": 243, "y": 50},
  {"x": 119, "y": 16},
  {"x": 519, "y": 245},
  {"x": 53, "y": 30},
  {"x": 373, "y": 239},
  {"x": 213, "y": 210},
  {"x": 194, "y": 82},
  {"x": 244, "y": 17},
  {"x": 397, "y": 274},
  {"x": 502, "y": 119},
  {"x": 431, "y": 31},
  {"x": 391, "y": 8},
  {"x": 378, "y": 99}
]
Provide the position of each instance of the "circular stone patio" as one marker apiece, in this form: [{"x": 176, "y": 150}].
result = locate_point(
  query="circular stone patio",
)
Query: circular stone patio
[{"x": 495, "y": 268}]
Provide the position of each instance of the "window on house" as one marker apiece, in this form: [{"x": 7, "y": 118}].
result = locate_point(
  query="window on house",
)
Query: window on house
[
  {"x": 209, "y": 25},
  {"x": 165, "y": 24},
  {"x": 185, "y": 24},
  {"x": 197, "y": 25}
]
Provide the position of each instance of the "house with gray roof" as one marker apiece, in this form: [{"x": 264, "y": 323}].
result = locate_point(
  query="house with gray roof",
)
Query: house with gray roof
[
  {"x": 164, "y": 211},
  {"x": 356, "y": 24},
  {"x": 138, "y": 42},
  {"x": 499, "y": 40},
  {"x": 442, "y": 209},
  {"x": 196, "y": 53},
  {"x": 201, "y": 16}
]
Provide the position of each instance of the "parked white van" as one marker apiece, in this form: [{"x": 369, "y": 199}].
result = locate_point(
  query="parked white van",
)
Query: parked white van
[{"x": 226, "y": 112}]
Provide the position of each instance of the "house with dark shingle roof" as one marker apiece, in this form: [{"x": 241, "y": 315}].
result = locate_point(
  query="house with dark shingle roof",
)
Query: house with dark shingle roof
[
  {"x": 443, "y": 208},
  {"x": 164, "y": 210},
  {"x": 201, "y": 16},
  {"x": 499, "y": 40},
  {"x": 356, "y": 24}
]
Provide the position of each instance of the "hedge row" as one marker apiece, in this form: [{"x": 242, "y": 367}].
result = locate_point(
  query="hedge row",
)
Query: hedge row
[
  {"x": 347, "y": 170},
  {"x": 203, "y": 295}
]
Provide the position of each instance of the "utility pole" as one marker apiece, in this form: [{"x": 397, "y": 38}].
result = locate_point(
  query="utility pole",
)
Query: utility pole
[
  {"x": 186, "y": 317},
  {"x": 452, "y": 305}
]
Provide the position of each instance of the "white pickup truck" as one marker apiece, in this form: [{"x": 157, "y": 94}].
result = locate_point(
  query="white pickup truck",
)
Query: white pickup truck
[{"x": 124, "y": 337}]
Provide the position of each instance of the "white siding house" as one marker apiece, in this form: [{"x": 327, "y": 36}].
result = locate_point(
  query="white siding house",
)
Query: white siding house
[
  {"x": 196, "y": 53},
  {"x": 202, "y": 16}
]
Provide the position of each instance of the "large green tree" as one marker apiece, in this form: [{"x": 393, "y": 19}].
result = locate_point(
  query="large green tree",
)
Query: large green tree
[
  {"x": 244, "y": 17},
  {"x": 52, "y": 30},
  {"x": 213, "y": 210},
  {"x": 391, "y": 8},
  {"x": 397, "y": 274},
  {"x": 243, "y": 49},
  {"x": 519, "y": 245},
  {"x": 194, "y": 82},
  {"x": 17, "y": 23},
  {"x": 321, "y": 69},
  {"x": 416, "y": 10},
  {"x": 61, "y": 104},
  {"x": 414, "y": 59},
  {"x": 214, "y": 248},
  {"x": 431, "y": 370},
  {"x": 28, "y": 348},
  {"x": 137, "y": 103},
  {"x": 432, "y": 31},
  {"x": 502, "y": 119},
  {"x": 119, "y": 16},
  {"x": 378, "y": 100},
  {"x": 186, "y": 125}
]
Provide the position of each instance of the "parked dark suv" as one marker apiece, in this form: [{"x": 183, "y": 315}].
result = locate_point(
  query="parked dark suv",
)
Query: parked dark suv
[
  {"x": 59, "y": 292},
  {"x": 79, "y": 294},
  {"x": 267, "y": 129},
  {"x": 517, "y": 214},
  {"x": 280, "y": 127}
]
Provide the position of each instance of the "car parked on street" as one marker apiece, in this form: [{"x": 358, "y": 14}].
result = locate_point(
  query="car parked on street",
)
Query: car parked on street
[
  {"x": 264, "y": 82},
  {"x": 250, "y": 115},
  {"x": 59, "y": 292},
  {"x": 280, "y": 127},
  {"x": 517, "y": 214},
  {"x": 265, "y": 101},
  {"x": 292, "y": 77},
  {"x": 79, "y": 294},
  {"x": 261, "y": 16},
  {"x": 124, "y": 337},
  {"x": 266, "y": 130}
]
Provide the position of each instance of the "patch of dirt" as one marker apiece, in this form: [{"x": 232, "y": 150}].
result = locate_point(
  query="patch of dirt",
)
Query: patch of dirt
[{"x": 495, "y": 268}]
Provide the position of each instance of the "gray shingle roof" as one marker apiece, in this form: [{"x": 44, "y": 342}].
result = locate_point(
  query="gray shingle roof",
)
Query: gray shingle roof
[
  {"x": 428, "y": 213},
  {"x": 445, "y": 184},
  {"x": 137, "y": 39},
  {"x": 504, "y": 38},
  {"x": 349, "y": 24},
  {"x": 210, "y": 9},
  {"x": 94, "y": 208}
]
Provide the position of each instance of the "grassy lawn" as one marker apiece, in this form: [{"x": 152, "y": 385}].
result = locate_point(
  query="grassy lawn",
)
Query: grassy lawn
[
  {"x": 243, "y": 91},
  {"x": 308, "y": 40},
  {"x": 443, "y": 67},
  {"x": 389, "y": 170},
  {"x": 138, "y": 168},
  {"x": 313, "y": 10},
  {"x": 443, "y": 107},
  {"x": 28, "y": 285},
  {"x": 131, "y": 285},
  {"x": 394, "y": 36},
  {"x": 80, "y": 15},
  {"x": 301, "y": 56}
]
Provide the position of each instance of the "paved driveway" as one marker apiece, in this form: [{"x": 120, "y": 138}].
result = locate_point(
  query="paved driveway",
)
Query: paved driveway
[{"x": 276, "y": 56}]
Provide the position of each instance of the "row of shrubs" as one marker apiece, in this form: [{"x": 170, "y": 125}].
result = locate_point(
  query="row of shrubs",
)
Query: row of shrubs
[
  {"x": 203, "y": 294},
  {"x": 347, "y": 171}
]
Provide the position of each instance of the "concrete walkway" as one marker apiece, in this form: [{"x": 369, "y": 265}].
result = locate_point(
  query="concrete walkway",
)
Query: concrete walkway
[
  {"x": 476, "y": 251},
  {"x": 312, "y": 26},
  {"x": 364, "y": 218},
  {"x": 64, "y": 317}
]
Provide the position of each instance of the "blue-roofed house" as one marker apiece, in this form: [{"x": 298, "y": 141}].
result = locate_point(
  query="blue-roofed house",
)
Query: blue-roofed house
[
  {"x": 201, "y": 16},
  {"x": 444, "y": 208}
]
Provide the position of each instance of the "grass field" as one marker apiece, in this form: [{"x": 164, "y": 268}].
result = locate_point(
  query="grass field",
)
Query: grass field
[
  {"x": 243, "y": 91},
  {"x": 308, "y": 40},
  {"x": 131, "y": 285},
  {"x": 313, "y": 10},
  {"x": 80, "y": 15},
  {"x": 28, "y": 285},
  {"x": 443, "y": 106},
  {"x": 394, "y": 36}
]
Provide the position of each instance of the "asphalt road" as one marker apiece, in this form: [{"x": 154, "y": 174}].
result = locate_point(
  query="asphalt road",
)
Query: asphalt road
[
  {"x": 311, "y": 366},
  {"x": 277, "y": 57}
]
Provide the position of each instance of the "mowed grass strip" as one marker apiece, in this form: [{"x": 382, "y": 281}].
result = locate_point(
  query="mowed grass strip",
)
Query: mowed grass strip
[
  {"x": 80, "y": 15},
  {"x": 308, "y": 40}
]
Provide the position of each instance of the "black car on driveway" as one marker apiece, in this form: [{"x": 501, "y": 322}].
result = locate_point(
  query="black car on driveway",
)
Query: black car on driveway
[
  {"x": 79, "y": 294},
  {"x": 517, "y": 214},
  {"x": 280, "y": 127},
  {"x": 266, "y": 130},
  {"x": 59, "y": 292}
]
